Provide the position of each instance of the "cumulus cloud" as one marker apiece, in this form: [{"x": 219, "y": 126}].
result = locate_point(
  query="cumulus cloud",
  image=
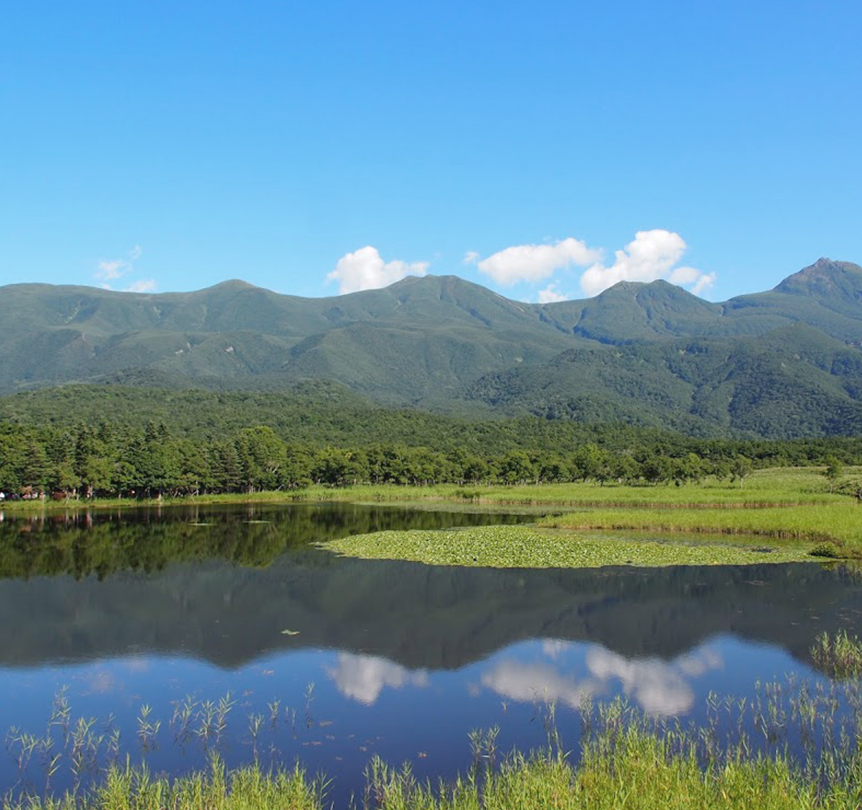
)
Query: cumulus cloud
[
  {"x": 108, "y": 270},
  {"x": 470, "y": 257},
  {"x": 537, "y": 262},
  {"x": 550, "y": 295},
  {"x": 363, "y": 677},
  {"x": 651, "y": 256},
  {"x": 366, "y": 270}
]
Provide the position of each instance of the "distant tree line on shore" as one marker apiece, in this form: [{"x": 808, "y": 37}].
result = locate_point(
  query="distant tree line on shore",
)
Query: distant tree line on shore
[{"x": 119, "y": 461}]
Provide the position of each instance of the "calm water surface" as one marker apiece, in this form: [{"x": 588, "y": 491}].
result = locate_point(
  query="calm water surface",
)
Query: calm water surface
[{"x": 177, "y": 609}]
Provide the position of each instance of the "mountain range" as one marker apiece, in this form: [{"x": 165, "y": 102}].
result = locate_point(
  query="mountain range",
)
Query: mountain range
[{"x": 781, "y": 363}]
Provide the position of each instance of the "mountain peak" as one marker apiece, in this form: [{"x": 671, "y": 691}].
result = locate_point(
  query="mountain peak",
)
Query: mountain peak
[
  {"x": 233, "y": 284},
  {"x": 823, "y": 277}
]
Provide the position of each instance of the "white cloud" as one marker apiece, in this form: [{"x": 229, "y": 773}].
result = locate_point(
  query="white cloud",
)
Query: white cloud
[
  {"x": 363, "y": 677},
  {"x": 537, "y": 262},
  {"x": 366, "y": 270},
  {"x": 141, "y": 286},
  {"x": 550, "y": 295},
  {"x": 110, "y": 269},
  {"x": 470, "y": 257},
  {"x": 651, "y": 256}
]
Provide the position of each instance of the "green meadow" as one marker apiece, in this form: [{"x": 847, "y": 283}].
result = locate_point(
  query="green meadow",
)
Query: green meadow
[{"x": 776, "y": 516}]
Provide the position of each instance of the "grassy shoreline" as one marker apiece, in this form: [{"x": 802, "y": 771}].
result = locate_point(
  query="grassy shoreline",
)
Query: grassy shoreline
[
  {"x": 790, "y": 486},
  {"x": 788, "y": 510}
]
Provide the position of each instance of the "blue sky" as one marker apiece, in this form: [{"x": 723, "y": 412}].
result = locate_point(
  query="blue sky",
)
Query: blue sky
[{"x": 317, "y": 147}]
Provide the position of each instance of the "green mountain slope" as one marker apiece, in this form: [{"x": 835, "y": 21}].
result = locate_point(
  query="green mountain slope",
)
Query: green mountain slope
[
  {"x": 403, "y": 344},
  {"x": 779, "y": 363},
  {"x": 795, "y": 381}
]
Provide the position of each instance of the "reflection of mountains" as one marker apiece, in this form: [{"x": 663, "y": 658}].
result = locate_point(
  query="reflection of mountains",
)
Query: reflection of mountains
[{"x": 415, "y": 615}]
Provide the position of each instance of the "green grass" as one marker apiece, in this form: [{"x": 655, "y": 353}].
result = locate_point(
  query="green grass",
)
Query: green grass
[
  {"x": 779, "y": 515},
  {"x": 247, "y": 788},
  {"x": 527, "y": 547},
  {"x": 777, "y": 486},
  {"x": 763, "y": 488},
  {"x": 834, "y": 529},
  {"x": 839, "y": 656},
  {"x": 628, "y": 761}
]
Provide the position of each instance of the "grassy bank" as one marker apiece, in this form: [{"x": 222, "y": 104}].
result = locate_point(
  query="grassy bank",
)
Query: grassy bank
[
  {"x": 760, "y": 489},
  {"x": 831, "y": 529},
  {"x": 778, "y": 515}
]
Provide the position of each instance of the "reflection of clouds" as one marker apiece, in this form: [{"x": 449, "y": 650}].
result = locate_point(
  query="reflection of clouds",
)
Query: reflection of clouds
[
  {"x": 554, "y": 647},
  {"x": 529, "y": 682},
  {"x": 362, "y": 677},
  {"x": 658, "y": 687},
  {"x": 698, "y": 663}
]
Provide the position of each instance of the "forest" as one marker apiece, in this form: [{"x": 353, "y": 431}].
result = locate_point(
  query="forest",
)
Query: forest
[{"x": 151, "y": 461}]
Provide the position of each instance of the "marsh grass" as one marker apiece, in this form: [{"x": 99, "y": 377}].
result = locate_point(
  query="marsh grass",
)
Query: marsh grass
[
  {"x": 794, "y": 744},
  {"x": 249, "y": 788},
  {"x": 839, "y": 656},
  {"x": 836, "y": 526},
  {"x": 775, "y": 486}
]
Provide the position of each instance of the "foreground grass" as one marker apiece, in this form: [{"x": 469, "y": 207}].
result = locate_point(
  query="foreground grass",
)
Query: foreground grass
[
  {"x": 627, "y": 765},
  {"x": 527, "y": 547},
  {"x": 244, "y": 789},
  {"x": 639, "y": 773}
]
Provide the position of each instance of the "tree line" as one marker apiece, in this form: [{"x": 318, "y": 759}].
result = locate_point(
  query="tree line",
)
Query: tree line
[{"x": 107, "y": 460}]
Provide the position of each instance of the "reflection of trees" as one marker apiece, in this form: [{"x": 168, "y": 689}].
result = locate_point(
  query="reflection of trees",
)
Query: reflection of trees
[
  {"x": 149, "y": 540},
  {"x": 414, "y": 615}
]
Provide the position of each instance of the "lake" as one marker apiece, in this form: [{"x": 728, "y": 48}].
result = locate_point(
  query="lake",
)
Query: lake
[{"x": 168, "y": 634}]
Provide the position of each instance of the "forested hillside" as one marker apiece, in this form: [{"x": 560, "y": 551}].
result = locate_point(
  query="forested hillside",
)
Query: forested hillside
[
  {"x": 781, "y": 364},
  {"x": 116, "y": 441}
]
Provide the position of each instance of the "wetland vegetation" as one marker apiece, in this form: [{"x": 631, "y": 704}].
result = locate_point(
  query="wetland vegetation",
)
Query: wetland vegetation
[
  {"x": 782, "y": 516},
  {"x": 792, "y": 745}
]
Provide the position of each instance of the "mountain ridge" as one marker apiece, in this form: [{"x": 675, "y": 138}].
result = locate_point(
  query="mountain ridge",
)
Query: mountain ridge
[{"x": 445, "y": 343}]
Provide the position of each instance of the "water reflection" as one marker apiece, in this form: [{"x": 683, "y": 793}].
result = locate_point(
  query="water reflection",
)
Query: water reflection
[
  {"x": 390, "y": 658},
  {"x": 363, "y": 677},
  {"x": 660, "y": 688}
]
